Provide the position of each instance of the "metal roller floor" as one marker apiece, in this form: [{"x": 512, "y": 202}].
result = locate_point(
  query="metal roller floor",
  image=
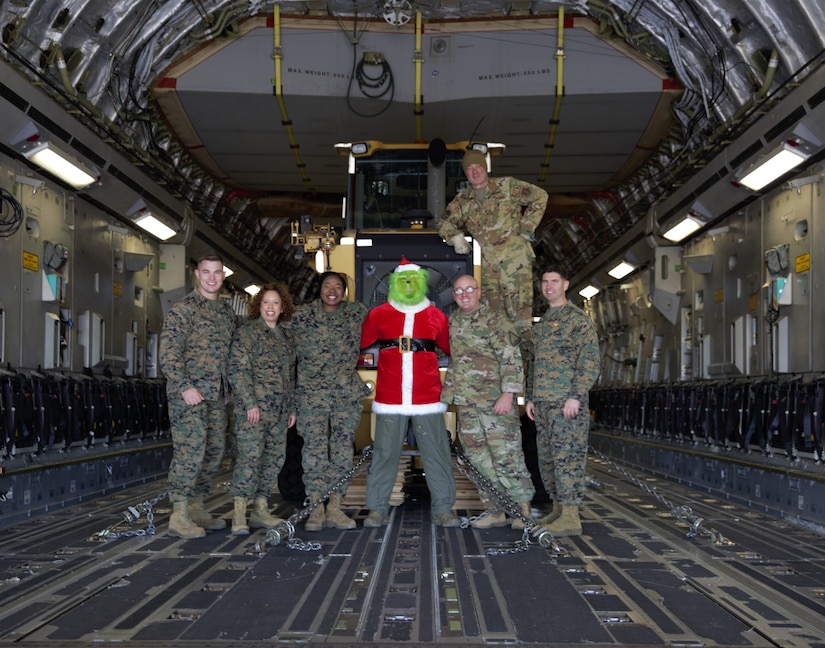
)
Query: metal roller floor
[{"x": 633, "y": 578}]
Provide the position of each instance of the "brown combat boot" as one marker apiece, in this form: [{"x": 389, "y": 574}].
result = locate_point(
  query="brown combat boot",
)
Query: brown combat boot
[
  {"x": 260, "y": 518},
  {"x": 181, "y": 526},
  {"x": 445, "y": 519},
  {"x": 336, "y": 518},
  {"x": 568, "y": 523},
  {"x": 199, "y": 516},
  {"x": 553, "y": 515},
  {"x": 491, "y": 518},
  {"x": 526, "y": 512},
  {"x": 239, "y": 526},
  {"x": 376, "y": 519},
  {"x": 316, "y": 519}
]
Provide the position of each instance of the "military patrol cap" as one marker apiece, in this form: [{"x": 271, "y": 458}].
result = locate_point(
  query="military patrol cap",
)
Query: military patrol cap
[{"x": 473, "y": 157}]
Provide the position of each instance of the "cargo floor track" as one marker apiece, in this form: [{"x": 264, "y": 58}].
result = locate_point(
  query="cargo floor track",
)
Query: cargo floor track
[{"x": 656, "y": 565}]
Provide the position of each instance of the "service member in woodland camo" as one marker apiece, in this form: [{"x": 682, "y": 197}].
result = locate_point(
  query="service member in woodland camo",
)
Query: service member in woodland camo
[{"x": 194, "y": 349}]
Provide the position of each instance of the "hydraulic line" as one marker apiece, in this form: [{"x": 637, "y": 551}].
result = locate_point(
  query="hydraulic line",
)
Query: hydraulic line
[
  {"x": 286, "y": 122},
  {"x": 554, "y": 120},
  {"x": 418, "y": 111}
]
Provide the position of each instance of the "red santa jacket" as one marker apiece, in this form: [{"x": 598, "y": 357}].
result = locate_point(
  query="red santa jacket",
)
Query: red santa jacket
[{"x": 408, "y": 382}]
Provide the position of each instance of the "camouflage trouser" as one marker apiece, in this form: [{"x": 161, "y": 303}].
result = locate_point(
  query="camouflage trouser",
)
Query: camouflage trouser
[
  {"x": 261, "y": 451},
  {"x": 562, "y": 450},
  {"x": 508, "y": 286},
  {"x": 492, "y": 443},
  {"x": 432, "y": 439},
  {"x": 198, "y": 438},
  {"x": 328, "y": 432}
]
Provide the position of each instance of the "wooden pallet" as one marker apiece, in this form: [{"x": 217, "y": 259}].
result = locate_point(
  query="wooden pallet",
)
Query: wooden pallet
[{"x": 356, "y": 497}]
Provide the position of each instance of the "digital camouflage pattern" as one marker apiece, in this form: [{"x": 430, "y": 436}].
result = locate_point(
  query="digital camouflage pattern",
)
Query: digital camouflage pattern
[
  {"x": 485, "y": 359},
  {"x": 329, "y": 392},
  {"x": 198, "y": 439},
  {"x": 194, "y": 346},
  {"x": 565, "y": 364},
  {"x": 262, "y": 375},
  {"x": 503, "y": 223},
  {"x": 194, "y": 349},
  {"x": 561, "y": 445},
  {"x": 485, "y": 362},
  {"x": 492, "y": 443}
]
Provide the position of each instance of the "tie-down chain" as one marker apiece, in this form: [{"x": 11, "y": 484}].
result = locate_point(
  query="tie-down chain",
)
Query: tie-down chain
[
  {"x": 682, "y": 512},
  {"x": 131, "y": 515},
  {"x": 504, "y": 503},
  {"x": 285, "y": 531}
]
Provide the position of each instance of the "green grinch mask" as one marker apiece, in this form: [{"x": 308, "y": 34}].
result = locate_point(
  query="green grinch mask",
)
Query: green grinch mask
[{"x": 408, "y": 287}]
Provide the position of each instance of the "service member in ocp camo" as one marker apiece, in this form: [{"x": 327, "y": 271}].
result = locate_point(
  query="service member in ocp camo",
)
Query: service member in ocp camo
[{"x": 483, "y": 380}]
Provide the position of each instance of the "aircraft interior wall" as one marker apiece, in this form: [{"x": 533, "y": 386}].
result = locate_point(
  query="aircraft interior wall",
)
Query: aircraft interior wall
[
  {"x": 714, "y": 369},
  {"x": 82, "y": 290},
  {"x": 739, "y": 300},
  {"x": 74, "y": 274}
]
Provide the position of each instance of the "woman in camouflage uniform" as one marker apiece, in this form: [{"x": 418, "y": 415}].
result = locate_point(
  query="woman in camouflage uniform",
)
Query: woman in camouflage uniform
[
  {"x": 262, "y": 375},
  {"x": 329, "y": 394}
]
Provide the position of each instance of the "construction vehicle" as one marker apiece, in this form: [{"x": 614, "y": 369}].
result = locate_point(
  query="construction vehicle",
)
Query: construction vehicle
[{"x": 396, "y": 193}]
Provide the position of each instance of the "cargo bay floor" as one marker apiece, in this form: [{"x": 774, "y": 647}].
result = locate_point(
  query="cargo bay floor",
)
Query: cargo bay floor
[{"x": 643, "y": 573}]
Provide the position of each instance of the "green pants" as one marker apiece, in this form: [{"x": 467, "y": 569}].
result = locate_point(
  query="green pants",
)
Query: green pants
[{"x": 432, "y": 439}]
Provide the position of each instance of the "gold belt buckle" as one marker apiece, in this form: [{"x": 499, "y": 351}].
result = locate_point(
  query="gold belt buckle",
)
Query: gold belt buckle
[{"x": 404, "y": 344}]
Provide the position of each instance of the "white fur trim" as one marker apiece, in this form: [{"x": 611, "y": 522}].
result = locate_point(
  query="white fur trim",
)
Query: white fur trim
[
  {"x": 410, "y": 410},
  {"x": 404, "y": 267},
  {"x": 410, "y": 310}
]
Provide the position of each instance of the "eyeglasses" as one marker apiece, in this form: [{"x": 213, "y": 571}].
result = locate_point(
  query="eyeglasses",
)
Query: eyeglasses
[{"x": 460, "y": 291}]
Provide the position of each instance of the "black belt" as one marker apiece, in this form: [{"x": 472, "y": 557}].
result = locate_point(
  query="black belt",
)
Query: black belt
[{"x": 406, "y": 344}]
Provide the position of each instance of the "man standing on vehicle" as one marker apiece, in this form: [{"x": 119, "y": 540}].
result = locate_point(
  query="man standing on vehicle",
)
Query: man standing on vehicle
[{"x": 501, "y": 214}]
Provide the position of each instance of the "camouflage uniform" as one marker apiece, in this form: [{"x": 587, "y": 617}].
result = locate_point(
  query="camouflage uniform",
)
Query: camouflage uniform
[
  {"x": 485, "y": 363},
  {"x": 565, "y": 364},
  {"x": 197, "y": 333},
  {"x": 329, "y": 392},
  {"x": 262, "y": 375},
  {"x": 503, "y": 223}
]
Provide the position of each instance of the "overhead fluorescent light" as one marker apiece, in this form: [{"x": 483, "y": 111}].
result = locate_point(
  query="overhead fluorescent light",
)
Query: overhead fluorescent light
[
  {"x": 774, "y": 166},
  {"x": 253, "y": 289},
  {"x": 689, "y": 223},
  {"x": 50, "y": 158},
  {"x": 156, "y": 228},
  {"x": 621, "y": 270},
  {"x": 589, "y": 291}
]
